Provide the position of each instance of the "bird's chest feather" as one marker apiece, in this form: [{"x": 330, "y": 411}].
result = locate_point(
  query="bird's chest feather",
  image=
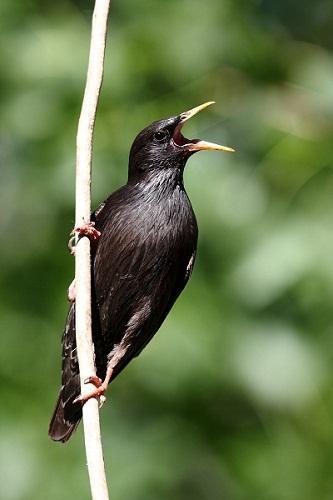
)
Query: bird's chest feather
[{"x": 148, "y": 243}]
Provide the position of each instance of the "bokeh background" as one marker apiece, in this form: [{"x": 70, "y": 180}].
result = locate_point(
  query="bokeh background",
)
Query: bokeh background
[{"x": 233, "y": 399}]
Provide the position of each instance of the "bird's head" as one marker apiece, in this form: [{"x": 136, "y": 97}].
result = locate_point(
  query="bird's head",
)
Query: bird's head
[{"x": 162, "y": 146}]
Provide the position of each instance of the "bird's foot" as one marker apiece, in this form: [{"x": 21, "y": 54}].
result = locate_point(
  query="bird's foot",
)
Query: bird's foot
[
  {"x": 71, "y": 245},
  {"x": 71, "y": 292},
  {"x": 87, "y": 229},
  {"x": 94, "y": 380},
  {"x": 98, "y": 392}
]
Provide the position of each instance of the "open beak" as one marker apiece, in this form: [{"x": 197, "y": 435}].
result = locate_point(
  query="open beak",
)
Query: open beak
[{"x": 195, "y": 144}]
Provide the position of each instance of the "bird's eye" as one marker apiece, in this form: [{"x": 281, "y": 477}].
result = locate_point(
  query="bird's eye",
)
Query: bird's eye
[{"x": 160, "y": 136}]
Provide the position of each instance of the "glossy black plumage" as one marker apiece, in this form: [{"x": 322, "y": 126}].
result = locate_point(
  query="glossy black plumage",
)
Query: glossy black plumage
[{"x": 141, "y": 262}]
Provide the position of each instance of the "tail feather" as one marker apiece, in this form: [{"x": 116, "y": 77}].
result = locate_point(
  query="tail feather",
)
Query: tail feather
[
  {"x": 67, "y": 414},
  {"x": 64, "y": 423}
]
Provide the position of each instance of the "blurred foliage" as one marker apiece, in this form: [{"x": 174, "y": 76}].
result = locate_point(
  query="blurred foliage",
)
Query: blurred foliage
[{"x": 233, "y": 399}]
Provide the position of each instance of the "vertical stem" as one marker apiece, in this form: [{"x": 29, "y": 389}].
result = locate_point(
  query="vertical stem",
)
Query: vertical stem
[{"x": 85, "y": 348}]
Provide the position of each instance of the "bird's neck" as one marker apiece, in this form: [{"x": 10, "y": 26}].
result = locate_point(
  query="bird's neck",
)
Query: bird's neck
[{"x": 159, "y": 182}]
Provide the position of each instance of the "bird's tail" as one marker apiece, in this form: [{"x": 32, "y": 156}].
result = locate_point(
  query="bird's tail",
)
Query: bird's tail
[
  {"x": 67, "y": 414},
  {"x": 63, "y": 423}
]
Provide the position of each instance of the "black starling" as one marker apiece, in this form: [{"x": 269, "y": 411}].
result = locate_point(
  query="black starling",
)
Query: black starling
[{"x": 141, "y": 262}]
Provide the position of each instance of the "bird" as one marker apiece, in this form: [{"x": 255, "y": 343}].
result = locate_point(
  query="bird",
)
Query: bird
[{"x": 141, "y": 261}]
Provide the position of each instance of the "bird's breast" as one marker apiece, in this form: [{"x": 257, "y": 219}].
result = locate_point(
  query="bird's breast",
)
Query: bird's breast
[
  {"x": 148, "y": 226},
  {"x": 146, "y": 251},
  {"x": 168, "y": 216}
]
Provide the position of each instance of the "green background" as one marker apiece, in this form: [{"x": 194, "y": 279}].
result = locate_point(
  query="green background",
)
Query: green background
[{"x": 233, "y": 399}]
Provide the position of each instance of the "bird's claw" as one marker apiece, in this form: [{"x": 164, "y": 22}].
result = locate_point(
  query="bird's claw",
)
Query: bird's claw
[
  {"x": 102, "y": 400},
  {"x": 88, "y": 229},
  {"x": 94, "y": 380},
  {"x": 71, "y": 245},
  {"x": 71, "y": 292},
  {"x": 98, "y": 392}
]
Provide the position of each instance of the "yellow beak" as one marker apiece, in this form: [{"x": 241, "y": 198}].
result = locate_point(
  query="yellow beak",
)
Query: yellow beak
[{"x": 198, "y": 145}]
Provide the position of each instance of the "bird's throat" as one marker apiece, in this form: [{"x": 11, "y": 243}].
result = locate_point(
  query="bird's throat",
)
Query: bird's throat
[{"x": 163, "y": 181}]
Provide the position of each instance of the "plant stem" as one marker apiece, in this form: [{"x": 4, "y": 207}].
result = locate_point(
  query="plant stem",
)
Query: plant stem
[{"x": 85, "y": 349}]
